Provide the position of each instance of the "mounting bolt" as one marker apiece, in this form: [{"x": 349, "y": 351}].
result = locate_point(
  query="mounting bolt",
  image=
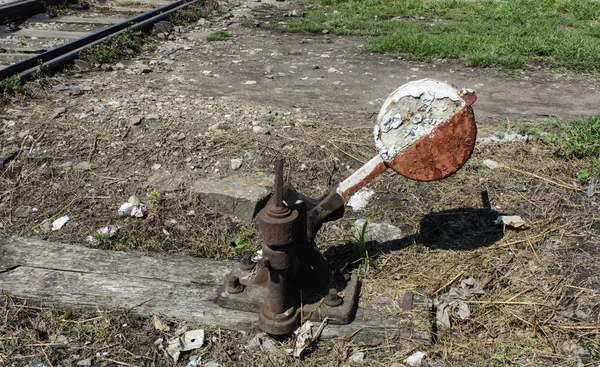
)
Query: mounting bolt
[
  {"x": 247, "y": 263},
  {"x": 234, "y": 286},
  {"x": 333, "y": 299}
]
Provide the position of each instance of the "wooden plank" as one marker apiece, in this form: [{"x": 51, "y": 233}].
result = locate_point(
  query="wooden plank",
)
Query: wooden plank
[
  {"x": 49, "y": 34},
  {"x": 81, "y": 20},
  {"x": 14, "y": 48},
  {"x": 125, "y": 9},
  {"x": 75, "y": 277}
]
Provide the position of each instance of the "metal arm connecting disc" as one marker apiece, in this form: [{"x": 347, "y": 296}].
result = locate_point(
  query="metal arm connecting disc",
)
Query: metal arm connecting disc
[{"x": 425, "y": 131}]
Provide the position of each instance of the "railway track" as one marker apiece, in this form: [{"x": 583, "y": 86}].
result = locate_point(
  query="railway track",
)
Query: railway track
[{"x": 32, "y": 35}]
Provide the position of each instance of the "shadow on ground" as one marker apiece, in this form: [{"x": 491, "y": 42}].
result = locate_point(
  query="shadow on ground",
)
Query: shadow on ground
[{"x": 461, "y": 229}]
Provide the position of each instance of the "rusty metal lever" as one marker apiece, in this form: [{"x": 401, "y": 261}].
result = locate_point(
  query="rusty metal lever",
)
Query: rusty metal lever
[{"x": 425, "y": 131}]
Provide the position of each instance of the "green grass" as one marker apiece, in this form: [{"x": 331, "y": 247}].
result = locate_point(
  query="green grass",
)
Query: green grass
[
  {"x": 360, "y": 248},
  {"x": 108, "y": 51},
  {"x": 219, "y": 36},
  {"x": 578, "y": 138},
  {"x": 509, "y": 34}
]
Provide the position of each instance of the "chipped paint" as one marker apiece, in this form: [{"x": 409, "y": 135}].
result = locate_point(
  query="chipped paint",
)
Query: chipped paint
[
  {"x": 361, "y": 177},
  {"x": 411, "y": 112}
]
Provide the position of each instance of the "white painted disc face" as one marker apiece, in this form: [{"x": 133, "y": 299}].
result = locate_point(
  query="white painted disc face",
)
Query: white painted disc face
[{"x": 412, "y": 111}]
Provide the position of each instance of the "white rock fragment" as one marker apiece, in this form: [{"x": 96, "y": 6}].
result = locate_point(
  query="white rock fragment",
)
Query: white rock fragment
[
  {"x": 360, "y": 199},
  {"x": 236, "y": 163},
  {"x": 491, "y": 164},
  {"x": 513, "y": 221},
  {"x": 415, "y": 359},
  {"x": 358, "y": 357}
]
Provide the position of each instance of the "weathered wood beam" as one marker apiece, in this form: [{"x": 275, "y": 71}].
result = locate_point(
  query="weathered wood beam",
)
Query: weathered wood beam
[{"x": 77, "y": 277}]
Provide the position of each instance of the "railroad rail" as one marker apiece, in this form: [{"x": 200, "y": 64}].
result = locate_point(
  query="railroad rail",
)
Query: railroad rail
[{"x": 67, "y": 35}]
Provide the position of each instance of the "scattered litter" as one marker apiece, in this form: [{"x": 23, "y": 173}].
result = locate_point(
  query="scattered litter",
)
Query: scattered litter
[
  {"x": 357, "y": 357},
  {"x": 360, "y": 199},
  {"x": 491, "y": 164},
  {"x": 159, "y": 324},
  {"x": 108, "y": 232},
  {"x": 60, "y": 222},
  {"x": 453, "y": 300},
  {"x": 513, "y": 221},
  {"x": 591, "y": 190},
  {"x": 415, "y": 359},
  {"x": 195, "y": 361},
  {"x": 190, "y": 340},
  {"x": 133, "y": 207},
  {"x": 303, "y": 339},
  {"x": 258, "y": 257}
]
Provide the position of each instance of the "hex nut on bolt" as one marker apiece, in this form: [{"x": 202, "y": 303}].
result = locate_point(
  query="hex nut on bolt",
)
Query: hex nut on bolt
[
  {"x": 234, "y": 286},
  {"x": 333, "y": 299},
  {"x": 247, "y": 263}
]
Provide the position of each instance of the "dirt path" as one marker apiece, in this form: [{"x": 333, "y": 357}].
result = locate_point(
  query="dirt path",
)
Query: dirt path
[{"x": 329, "y": 74}]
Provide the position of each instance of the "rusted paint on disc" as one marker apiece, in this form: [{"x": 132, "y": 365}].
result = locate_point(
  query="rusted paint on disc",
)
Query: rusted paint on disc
[
  {"x": 441, "y": 152},
  {"x": 426, "y": 129}
]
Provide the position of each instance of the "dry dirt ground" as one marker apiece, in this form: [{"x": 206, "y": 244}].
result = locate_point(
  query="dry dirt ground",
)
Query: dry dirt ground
[{"x": 259, "y": 96}]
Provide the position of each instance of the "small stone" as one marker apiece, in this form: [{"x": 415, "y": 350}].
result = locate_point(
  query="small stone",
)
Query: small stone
[
  {"x": 358, "y": 357},
  {"x": 249, "y": 82},
  {"x": 146, "y": 70},
  {"x": 135, "y": 120},
  {"x": 240, "y": 196},
  {"x": 490, "y": 164},
  {"x": 316, "y": 67},
  {"x": 119, "y": 66},
  {"x": 85, "y": 362},
  {"x": 152, "y": 117},
  {"x": 325, "y": 31},
  {"x": 82, "y": 166},
  {"x": 156, "y": 166},
  {"x": 59, "y": 112},
  {"x": 217, "y": 126},
  {"x": 46, "y": 226},
  {"x": 23, "y": 211},
  {"x": 236, "y": 163},
  {"x": 378, "y": 232},
  {"x": 82, "y": 65},
  {"x": 259, "y": 130},
  {"x": 76, "y": 92},
  {"x": 207, "y": 72}
]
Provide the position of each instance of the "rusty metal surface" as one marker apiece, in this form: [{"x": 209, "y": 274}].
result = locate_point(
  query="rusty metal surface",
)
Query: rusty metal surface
[
  {"x": 440, "y": 153},
  {"x": 292, "y": 277},
  {"x": 361, "y": 177},
  {"x": 426, "y": 129}
]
